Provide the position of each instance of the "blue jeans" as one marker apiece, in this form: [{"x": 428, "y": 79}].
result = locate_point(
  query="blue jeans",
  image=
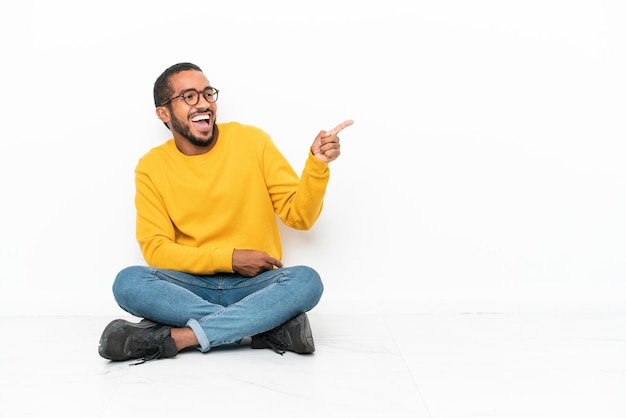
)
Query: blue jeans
[{"x": 221, "y": 308}]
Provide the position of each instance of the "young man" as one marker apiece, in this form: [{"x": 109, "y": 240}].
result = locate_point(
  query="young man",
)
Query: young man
[{"x": 207, "y": 202}]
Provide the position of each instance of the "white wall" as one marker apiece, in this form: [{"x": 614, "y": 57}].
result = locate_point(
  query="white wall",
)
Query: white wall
[{"x": 484, "y": 173}]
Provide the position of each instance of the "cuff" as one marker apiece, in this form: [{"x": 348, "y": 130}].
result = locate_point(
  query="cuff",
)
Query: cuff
[{"x": 205, "y": 345}]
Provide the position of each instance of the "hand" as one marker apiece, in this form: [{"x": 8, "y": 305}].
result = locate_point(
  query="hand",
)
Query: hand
[
  {"x": 249, "y": 263},
  {"x": 326, "y": 145}
]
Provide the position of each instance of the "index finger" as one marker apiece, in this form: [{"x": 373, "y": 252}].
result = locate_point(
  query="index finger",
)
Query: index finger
[
  {"x": 339, "y": 127},
  {"x": 274, "y": 262}
]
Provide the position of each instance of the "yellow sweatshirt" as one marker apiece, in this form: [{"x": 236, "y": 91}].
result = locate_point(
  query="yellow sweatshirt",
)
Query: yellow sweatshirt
[{"x": 193, "y": 211}]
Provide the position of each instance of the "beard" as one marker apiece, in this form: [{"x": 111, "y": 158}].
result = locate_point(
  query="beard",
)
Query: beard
[{"x": 183, "y": 129}]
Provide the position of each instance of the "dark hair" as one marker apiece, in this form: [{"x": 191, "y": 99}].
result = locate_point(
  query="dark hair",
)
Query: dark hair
[{"x": 162, "y": 87}]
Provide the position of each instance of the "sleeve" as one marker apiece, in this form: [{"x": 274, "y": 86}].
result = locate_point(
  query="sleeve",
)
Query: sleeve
[{"x": 297, "y": 201}]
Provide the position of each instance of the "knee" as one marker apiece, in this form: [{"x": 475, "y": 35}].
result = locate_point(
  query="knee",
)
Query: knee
[
  {"x": 126, "y": 280},
  {"x": 310, "y": 281}
]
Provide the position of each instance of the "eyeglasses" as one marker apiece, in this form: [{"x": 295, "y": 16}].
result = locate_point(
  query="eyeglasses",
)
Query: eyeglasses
[{"x": 192, "y": 96}]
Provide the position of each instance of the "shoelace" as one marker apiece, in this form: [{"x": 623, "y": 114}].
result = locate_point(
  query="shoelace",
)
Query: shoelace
[
  {"x": 274, "y": 340},
  {"x": 278, "y": 348},
  {"x": 147, "y": 346}
]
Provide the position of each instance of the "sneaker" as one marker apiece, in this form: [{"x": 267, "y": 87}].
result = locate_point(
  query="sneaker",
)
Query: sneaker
[
  {"x": 294, "y": 335},
  {"x": 147, "y": 340}
]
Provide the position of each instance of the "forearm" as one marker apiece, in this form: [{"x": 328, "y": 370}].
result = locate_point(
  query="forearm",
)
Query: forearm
[
  {"x": 163, "y": 253},
  {"x": 305, "y": 205}
]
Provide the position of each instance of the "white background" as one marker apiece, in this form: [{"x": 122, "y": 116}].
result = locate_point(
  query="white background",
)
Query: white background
[{"x": 484, "y": 172}]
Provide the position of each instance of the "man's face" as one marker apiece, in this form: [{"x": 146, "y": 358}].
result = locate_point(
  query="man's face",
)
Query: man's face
[{"x": 193, "y": 123}]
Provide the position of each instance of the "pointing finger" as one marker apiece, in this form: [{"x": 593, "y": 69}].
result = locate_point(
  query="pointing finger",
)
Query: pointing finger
[{"x": 340, "y": 127}]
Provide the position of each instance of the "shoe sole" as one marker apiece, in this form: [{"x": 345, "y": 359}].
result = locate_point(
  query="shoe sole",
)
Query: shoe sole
[{"x": 306, "y": 335}]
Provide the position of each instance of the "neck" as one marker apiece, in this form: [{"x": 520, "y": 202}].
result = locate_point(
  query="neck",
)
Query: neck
[{"x": 194, "y": 147}]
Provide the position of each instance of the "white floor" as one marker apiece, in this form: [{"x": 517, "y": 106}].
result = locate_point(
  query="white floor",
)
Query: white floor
[{"x": 382, "y": 366}]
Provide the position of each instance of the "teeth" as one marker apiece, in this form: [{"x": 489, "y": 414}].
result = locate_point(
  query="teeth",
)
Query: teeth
[{"x": 200, "y": 117}]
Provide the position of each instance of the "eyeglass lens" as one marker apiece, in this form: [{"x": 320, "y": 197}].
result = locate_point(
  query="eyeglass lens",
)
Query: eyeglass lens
[{"x": 192, "y": 97}]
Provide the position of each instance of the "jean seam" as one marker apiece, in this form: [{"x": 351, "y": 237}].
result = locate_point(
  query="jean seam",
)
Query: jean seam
[
  {"x": 249, "y": 283},
  {"x": 222, "y": 281}
]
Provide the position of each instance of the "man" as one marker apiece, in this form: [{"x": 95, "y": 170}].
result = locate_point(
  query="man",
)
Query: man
[{"x": 207, "y": 202}]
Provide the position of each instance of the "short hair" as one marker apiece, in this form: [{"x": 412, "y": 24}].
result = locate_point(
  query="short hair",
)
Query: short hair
[{"x": 163, "y": 88}]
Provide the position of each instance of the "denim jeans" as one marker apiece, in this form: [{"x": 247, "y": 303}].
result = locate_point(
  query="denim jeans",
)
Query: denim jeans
[{"x": 221, "y": 308}]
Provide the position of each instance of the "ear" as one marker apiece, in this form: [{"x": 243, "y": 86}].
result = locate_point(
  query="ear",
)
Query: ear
[{"x": 163, "y": 113}]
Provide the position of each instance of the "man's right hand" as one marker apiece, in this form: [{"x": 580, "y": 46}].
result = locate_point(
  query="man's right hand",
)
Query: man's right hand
[{"x": 249, "y": 263}]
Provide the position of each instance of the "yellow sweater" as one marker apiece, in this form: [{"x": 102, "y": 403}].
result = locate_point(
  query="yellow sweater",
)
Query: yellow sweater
[{"x": 193, "y": 211}]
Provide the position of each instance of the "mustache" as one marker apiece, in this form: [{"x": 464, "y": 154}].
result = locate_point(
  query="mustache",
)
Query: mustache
[{"x": 202, "y": 111}]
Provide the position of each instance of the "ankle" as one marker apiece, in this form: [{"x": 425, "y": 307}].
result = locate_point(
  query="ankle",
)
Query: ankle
[{"x": 184, "y": 337}]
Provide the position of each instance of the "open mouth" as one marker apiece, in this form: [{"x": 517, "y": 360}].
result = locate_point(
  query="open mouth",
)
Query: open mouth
[{"x": 202, "y": 121}]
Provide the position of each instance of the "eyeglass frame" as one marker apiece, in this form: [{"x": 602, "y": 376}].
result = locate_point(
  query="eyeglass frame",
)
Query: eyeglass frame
[{"x": 200, "y": 93}]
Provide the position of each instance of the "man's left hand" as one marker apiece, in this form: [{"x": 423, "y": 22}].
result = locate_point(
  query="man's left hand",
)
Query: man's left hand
[{"x": 326, "y": 146}]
